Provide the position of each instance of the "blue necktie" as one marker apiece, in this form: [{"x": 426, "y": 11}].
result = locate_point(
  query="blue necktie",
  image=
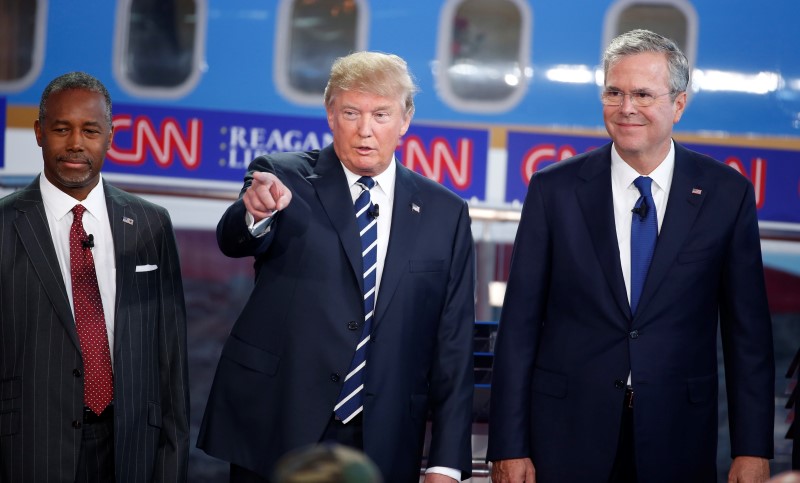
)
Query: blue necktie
[
  {"x": 644, "y": 231},
  {"x": 351, "y": 398}
]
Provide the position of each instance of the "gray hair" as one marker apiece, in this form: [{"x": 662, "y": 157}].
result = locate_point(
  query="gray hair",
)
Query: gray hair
[
  {"x": 376, "y": 73},
  {"x": 74, "y": 80},
  {"x": 641, "y": 41}
]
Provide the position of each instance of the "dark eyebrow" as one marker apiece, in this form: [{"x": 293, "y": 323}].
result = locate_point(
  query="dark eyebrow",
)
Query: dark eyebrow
[{"x": 85, "y": 124}]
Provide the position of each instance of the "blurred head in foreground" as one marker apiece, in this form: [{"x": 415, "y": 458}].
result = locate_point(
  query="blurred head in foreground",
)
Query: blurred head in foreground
[{"x": 326, "y": 463}]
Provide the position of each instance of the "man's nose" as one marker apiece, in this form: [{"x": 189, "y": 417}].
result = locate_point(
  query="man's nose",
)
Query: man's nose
[
  {"x": 365, "y": 127},
  {"x": 627, "y": 104},
  {"x": 75, "y": 140}
]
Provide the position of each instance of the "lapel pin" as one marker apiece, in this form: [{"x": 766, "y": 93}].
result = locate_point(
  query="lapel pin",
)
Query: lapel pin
[
  {"x": 415, "y": 207},
  {"x": 697, "y": 191},
  {"x": 127, "y": 220}
]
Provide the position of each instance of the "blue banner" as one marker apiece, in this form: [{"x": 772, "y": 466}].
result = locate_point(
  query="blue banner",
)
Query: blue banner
[
  {"x": 218, "y": 146},
  {"x": 775, "y": 173}
]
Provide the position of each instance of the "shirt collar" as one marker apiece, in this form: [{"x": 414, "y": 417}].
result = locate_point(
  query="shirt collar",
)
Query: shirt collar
[
  {"x": 58, "y": 203},
  {"x": 384, "y": 181},
  {"x": 623, "y": 175}
]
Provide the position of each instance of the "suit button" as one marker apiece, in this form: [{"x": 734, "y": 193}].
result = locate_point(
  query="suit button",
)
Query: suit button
[
  {"x": 76, "y": 424},
  {"x": 76, "y": 372},
  {"x": 634, "y": 334},
  {"x": 335, "y": 377},
  {"x": 619, "y": 383},
  {"x": 352, "y": 325}
]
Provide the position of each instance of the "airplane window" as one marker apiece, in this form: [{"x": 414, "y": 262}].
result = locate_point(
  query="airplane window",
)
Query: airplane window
[
  {"x": 311, "y": 35},
  {"x": 675, "y": 19},
  {"x": 665, "y": 19},
  {"x": 483, "y": 49},
  {"x": 157, "y": 51},
  {"x": 21, "y": 43}
]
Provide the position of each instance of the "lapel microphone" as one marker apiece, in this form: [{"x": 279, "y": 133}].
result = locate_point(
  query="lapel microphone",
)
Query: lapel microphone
[
  {"x": 374, "y": 212},
  {"x": 89, "y": 242},
  {"x": 641, "y": 210}
]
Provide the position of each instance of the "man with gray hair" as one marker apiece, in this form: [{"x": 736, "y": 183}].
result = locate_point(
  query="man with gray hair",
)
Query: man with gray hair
[
  {"x": 359, "y": 327},
  {"x": 627, "y": 260}
]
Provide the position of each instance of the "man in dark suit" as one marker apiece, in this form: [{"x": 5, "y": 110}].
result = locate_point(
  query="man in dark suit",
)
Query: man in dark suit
[
  {"x": 606, "y": 359},
  {"x": 313, "y": 324},
  {"x": 93, "y": 375}
]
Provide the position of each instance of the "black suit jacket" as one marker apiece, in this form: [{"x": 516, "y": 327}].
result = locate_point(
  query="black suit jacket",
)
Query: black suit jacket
[
  {"x": 568, "y": 340},
  {"x": 41, "y": 388},
  {"x": 284, "y": 363}
]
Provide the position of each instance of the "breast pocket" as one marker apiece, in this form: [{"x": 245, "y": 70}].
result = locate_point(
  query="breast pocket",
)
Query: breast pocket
[
  {"x": 416, "y": 266},
  {"x": 694, "y": 256},
  {"x": 145, "y": 284}
]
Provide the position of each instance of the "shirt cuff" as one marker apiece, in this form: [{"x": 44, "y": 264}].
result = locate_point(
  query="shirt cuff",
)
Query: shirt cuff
[
  {"x": 258, "y": 229},
  {"x": 443, "y": 470}
]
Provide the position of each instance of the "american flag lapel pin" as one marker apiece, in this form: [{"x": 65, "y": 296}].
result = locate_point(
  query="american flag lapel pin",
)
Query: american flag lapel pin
[
  {"x": 697, "y": 191},
  {"x": 127, "y": 220},
  {"x": 415, "y": 207}
]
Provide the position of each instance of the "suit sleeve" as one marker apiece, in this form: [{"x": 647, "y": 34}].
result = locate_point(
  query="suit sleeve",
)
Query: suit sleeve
[
  {"x": 746, "y": 330},
  {"x": 517, "y": 338},
  {"x": 173, "y": 449},
  {"x": 452, "y": 378},
  {"x": 233, "y": 236}
]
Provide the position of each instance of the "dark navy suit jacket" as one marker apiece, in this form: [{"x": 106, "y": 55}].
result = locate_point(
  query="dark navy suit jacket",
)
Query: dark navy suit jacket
[
  {"x": 283, "y": 365},
  {"x": 567, "y": 338}
]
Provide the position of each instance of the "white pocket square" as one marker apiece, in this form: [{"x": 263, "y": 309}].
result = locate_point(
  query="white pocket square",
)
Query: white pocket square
[{"x": 146, "y": 268}]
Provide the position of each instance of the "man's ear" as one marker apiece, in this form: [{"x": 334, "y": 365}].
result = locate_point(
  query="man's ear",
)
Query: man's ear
[{"x": 37, "y": 130}]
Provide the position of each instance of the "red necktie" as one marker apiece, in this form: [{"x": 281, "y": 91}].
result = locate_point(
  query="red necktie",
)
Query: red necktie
[{"x": 98, "y": 389}]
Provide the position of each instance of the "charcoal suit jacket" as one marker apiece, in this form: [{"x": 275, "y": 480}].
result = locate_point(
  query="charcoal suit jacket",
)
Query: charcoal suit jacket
[{"x": 41, "y": 383}]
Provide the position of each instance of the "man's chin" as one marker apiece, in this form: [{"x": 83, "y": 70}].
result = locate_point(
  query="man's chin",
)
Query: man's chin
[{"x": 74, "y": 182}]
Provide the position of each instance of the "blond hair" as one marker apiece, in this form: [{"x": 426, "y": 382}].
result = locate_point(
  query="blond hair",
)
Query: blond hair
[{"x": 385, "y": 75}]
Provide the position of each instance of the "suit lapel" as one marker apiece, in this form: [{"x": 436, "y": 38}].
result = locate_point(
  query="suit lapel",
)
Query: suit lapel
[
  {"x": 123, "y": 232},
  {"x": 599, "y": 218},
  {"x": 330, "y": 184},
  {"x": 682, "y": 209},
  {"x": 401, "y": 237},
  {"x": 34, "y": 233}
]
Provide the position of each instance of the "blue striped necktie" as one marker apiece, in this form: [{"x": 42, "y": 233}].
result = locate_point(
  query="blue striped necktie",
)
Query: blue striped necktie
[
  {"x": 644, "y": 232},
  {"x": 351, "y": 398}
]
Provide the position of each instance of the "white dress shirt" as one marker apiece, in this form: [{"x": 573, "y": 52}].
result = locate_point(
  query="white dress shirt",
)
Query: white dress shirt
[
  {"x": 382, "y": 194},
  {"x": 58, "y": 207},
  {"x": 625, "y": 194}
]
